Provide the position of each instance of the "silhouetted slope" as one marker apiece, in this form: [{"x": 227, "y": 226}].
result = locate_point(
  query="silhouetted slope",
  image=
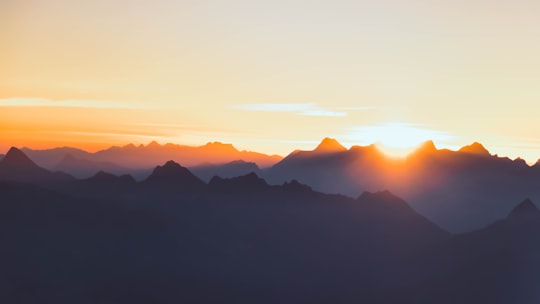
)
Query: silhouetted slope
[
  {"x": 49, "y": 158},
  {"x": 103, "y": 186},
  {"x": 83, "y": 168},
  {"x": 459, "y": 190},
  {"x": 279, "y": 243},
  {"x": 249, "y": 183},
  {"x": 232, "y": 169},
  {"x": 16, "y": 166},
  {"x": 475, "y": 148},
  {"x": 172, "y": 178},
  {"x": 498, "y": 264},
  {"x": 330, "y": 145},
  {"x": 57, "y": 249},
  {"x": 524, "y": 211}
]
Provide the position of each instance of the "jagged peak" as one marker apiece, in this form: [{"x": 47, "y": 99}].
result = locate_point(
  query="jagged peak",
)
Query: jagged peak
[
  {"x": 170, "y": 168},
  {"x": 249, "y": 179},
  {"x": 521, "y": 162},
  {"x": 525, "y": 209},
  {"x": 109, "y": 177},
  {"x": 17, "y": 157},
  {"x": 220, "y": 145},
  {"x": 171, "y": 164},
  {"x": 297, "y": 186},
  {"x": 428, "y": 145},
  {"x": 153, "y": 144},
  {"x": 330, "y": 145},
  {"x": 475, "y": 148}
]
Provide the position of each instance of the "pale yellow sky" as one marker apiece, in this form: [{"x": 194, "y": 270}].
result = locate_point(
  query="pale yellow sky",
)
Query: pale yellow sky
[{"x": 271, "y": 76}]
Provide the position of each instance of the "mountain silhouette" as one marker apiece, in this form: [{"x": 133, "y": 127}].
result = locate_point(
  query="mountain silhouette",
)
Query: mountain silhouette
[
  {"x": 16, "y": 166},
  {"x": 50, "y": 158},
  {"x": 83, "y": 168},
  {"x": 475, "y": 148},
  {"x": 284, "y": 243},
  {"x": 172, "y": 178},
  {"x": 329, "y": 145},
  {"x": 496, "y": 264},
  {"x": 249, "y": 183},
  {"x": 228, "y": 170},
  {"x": 525, "y": 210},
  {"x": 458, "y": 190}
]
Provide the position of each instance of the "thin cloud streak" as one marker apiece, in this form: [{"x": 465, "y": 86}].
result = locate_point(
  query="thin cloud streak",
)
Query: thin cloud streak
[
  {"x": 303, "y": 109},
  {"x": 44, "y": 102}
]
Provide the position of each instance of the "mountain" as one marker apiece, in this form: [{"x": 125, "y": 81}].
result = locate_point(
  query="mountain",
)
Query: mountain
[
  {"x": 16, "y": 166},
  {"x": 524, "y": 211},
  {"x": 102, "y": 186},
  {"x": 83, "y": 168},
  {"x": 459, "y": 190},
  {"x": 50, "y": 158},
  {"x": 232, "y": 169},
  {"x": 249, "y": 183},
  {"x": 153, "y": 154},
  {"x": 286, "y": 243},
  {"x": 330, "y": 145},
  {"x": 1, "y": 156},
  {"x": 497, "y": 264},
  {"x": 172, "y": 178},
  {"x": 475, "y": 148}
]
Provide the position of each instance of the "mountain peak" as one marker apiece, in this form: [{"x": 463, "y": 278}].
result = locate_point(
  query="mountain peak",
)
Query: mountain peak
[
  {"x": 426, "y": 147},
  {"x": 153, "y": 144},
  {"x": 330, "y": 145},
  {"x": 249, "y": 183},
  {"x": 475, "y": 148},
  {"x": 221, "y": 147},
  {"x": 172, "y": 172},
  {"x": 525, "y": 210},
  {"x": 17, "y": 157},
  {"x": 102, "y": 176}
]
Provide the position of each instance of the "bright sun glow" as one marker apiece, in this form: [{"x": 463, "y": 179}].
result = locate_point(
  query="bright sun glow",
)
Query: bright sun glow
[{"x": 396, "y": 139}]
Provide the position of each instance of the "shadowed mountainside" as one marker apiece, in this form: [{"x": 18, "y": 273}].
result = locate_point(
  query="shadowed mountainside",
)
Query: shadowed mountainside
[
  {"x": 459, "y": 190},
  {"x": 498, "y": 264},
  {"x": 83, "y": 168},
  {"x": 16, "y": 166},
  {"x": 232, "y": 169},
  {"x": 173, "y": 238}
]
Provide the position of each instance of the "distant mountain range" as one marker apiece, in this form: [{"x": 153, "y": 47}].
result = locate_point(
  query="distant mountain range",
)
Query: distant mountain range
[
  {"x": 149, "y": 156},
  {"x": 173, "y": 237},
  {"x": 459, "y": 190}
]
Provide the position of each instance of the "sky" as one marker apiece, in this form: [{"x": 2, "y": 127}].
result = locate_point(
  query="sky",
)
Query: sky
[{"x": 271, "y": 76}]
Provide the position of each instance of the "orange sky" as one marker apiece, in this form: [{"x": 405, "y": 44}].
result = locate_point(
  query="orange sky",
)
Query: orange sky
[{"x": 271, "y": 76}]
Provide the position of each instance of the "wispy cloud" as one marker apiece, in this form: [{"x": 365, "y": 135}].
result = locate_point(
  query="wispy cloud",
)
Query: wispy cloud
[
  {"x": 304, "y": 109},
  {"x": 44, "y": 102}
]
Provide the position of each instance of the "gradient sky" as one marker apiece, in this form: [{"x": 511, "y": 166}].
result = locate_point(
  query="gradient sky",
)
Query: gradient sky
[{"x": 271, "y": 76}]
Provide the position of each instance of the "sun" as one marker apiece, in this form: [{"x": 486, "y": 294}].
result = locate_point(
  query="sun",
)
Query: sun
[{"x": 396, "y": 139}]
